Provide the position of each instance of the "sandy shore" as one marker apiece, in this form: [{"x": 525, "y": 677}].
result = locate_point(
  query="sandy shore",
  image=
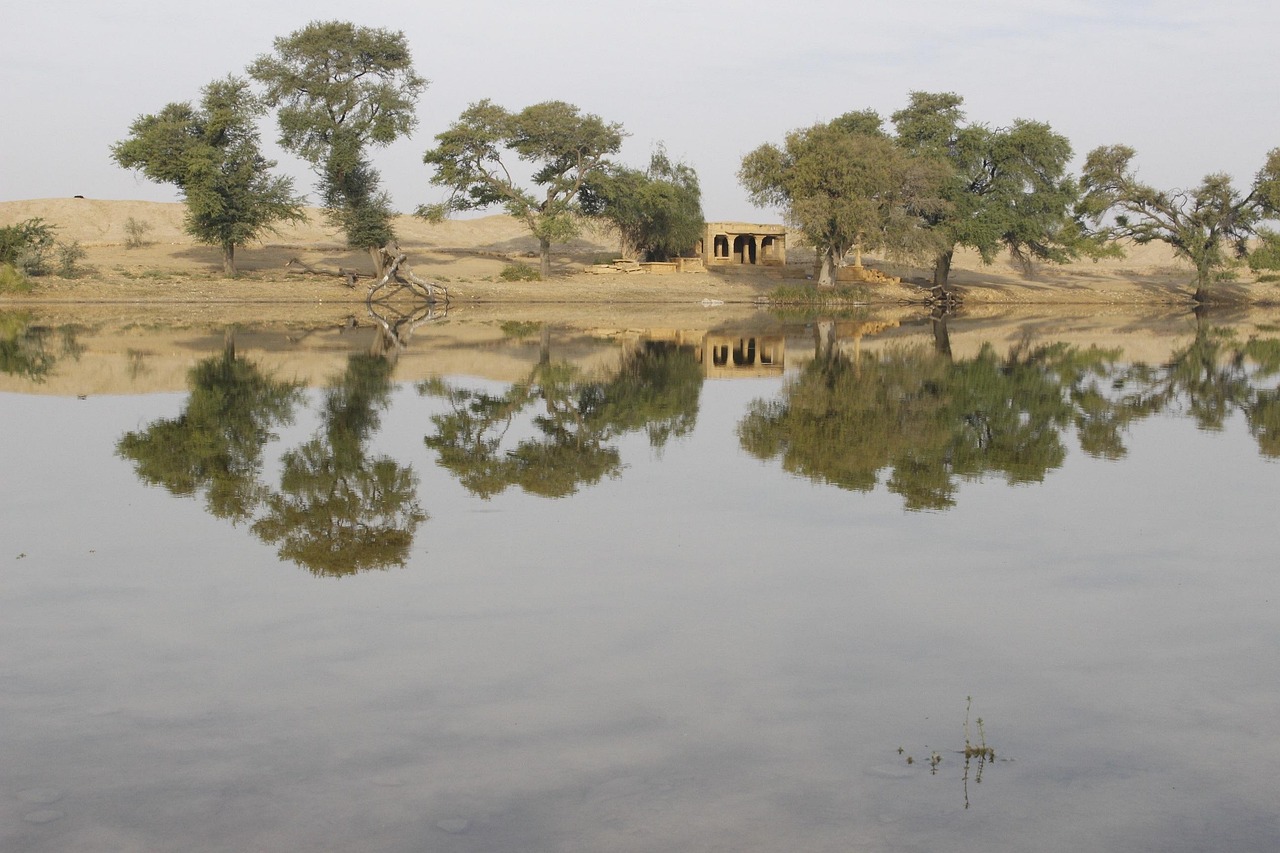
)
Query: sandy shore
[{"x": 467, "y": 256}]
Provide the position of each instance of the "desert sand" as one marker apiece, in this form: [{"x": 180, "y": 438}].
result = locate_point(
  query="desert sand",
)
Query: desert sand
[{"x": 467, "y": 255}]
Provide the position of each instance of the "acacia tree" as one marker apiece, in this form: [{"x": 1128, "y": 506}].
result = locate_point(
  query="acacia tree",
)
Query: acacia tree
[
  {"x": 566, "y": 148},
  {"x": 341, "y": 89},
  {"x": 211, "y": 154},
  {"x": 1008, "y": 187},
  {"x": 1202, "y": 225},
  {"x": 844, "y": 183},
  {"x": 657, "y": 213}
]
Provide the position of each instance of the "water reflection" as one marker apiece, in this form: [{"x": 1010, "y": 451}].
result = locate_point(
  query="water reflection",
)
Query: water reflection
[
  {"x": 28, "y": 350},
  {"x": 931, "y": 420},
  {"x": 572, "y": 420},
  {"x": 215, "y": 446},
  {"x": 913, "y": 416},
  {"x": 337, "y": 511}
]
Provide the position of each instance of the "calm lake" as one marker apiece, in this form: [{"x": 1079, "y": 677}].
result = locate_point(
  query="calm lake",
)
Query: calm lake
[{"x": 740, "y": 583}]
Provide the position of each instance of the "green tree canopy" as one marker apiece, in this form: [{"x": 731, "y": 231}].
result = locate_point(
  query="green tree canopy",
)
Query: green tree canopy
[
  {"x": 211, "y": 154},
  {"x": 1205, "y": 225},
  {"x": 844, "y": 183},
  {"x": 340, "y": 89},
  {"x": 657, "y": 213},
  {"x": 476, "y": 156},
  {"x": 1008, "y": 188}
]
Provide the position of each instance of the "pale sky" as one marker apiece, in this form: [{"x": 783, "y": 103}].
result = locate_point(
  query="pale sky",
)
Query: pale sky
[{"x": 1193, "y": 86}]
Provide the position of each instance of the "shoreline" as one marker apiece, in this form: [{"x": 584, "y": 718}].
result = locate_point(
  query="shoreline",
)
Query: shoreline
[{"x": 468, "y": 257}]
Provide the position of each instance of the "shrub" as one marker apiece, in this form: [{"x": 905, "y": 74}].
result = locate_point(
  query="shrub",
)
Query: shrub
[
  {"x": 519, "y": 272},
  {"x": 69, "y": 257},
  {"x": 26, "y": 246},
  {"x": 13, "y": 281},
  {"x": 135, "y": 233}
]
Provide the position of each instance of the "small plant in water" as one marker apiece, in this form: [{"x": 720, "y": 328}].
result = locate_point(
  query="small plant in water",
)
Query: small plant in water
[
  {"x": 976, "y": 752},
  {"x": 979, "y": 749}
]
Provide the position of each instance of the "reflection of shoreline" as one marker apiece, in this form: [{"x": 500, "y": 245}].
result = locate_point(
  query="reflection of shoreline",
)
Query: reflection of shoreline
[{"x": 141, "y": 359}]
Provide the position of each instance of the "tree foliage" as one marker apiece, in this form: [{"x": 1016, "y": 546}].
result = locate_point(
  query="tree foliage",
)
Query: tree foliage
[
  {"x": 340, "y": 89},
  {"x": 657, "y": 212},
  {"x": 1007, "y": 188},
  {"x": 474, "y": 159},
  {"x": 211, "y": 154},
  {"x": 844, "y": 183},
  {"x": 1206, "y": 225},
  {"x": 26, "y": 246}
]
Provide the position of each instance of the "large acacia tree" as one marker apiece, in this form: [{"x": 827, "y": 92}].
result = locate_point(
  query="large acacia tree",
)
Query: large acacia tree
[
  {"x": 211, "y": 154},
  {"x": 475, "y": 158},
  {"x": 1204, "y": 225},
  {"x": 1008, "y": 188},
  {"x": 341, "y": 89},
  {"x": 843, "y": 183}
]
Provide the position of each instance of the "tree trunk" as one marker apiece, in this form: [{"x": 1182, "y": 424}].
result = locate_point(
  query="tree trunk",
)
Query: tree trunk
[
  {"x": 942, "y": 269},
  {"x": 544, "y": 249},
  {"x": 1202, "y": 286},
  {"x": 229, "y": 258},
  {"x": 827, "y": 272}
]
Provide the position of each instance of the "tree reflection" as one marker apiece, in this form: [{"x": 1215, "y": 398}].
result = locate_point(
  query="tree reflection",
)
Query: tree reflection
[
  {"x": 338, "y": 511},
  {"x": 27, "y": 351},
  {"x": 215, "y": 445},
  {"x": 930, "y": 420},
  {"x": 572, "y": 420}
]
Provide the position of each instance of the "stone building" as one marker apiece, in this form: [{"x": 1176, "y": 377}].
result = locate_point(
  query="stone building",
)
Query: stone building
[{"x": 743, "y": 243}]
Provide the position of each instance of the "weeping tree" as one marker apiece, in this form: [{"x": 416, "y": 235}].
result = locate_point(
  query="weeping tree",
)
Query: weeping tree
[
  {"x": 1207, "y": 225},
  {"x": 656, "y": 212},
  {"x": 211, "y": 154},
  {"x": 341, "y": 89}
]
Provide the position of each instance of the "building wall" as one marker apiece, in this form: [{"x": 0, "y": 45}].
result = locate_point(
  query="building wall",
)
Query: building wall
[{"x": 745, "y": 243}]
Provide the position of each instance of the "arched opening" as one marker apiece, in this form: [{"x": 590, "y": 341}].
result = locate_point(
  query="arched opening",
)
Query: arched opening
[
  {"x": 744, "y": 249},
  {"x": 744, "y": 354},
  {"x": 768, "y": 249},
  {"x": 721, "y": 246}
]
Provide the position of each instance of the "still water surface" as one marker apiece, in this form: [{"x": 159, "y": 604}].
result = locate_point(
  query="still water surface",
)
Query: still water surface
[{"x": 536, "y": 589}]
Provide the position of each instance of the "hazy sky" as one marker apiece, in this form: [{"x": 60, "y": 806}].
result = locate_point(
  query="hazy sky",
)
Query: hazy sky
[{"x": 1193, "y": 86}]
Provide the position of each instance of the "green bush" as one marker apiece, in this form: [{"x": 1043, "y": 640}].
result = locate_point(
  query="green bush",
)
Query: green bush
[
  {"x": 793, "y": 294},
  {"x": 519, "y": 272},
  {"x": 13, "y": 281},
  {"x": 26, "y": 246}
]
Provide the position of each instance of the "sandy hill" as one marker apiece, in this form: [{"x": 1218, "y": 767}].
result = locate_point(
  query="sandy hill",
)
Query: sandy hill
[{"x": 101, "y": 222}]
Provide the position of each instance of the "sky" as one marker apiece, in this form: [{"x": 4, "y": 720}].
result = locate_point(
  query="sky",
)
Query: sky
[{"x": 1193, "y": 87}]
